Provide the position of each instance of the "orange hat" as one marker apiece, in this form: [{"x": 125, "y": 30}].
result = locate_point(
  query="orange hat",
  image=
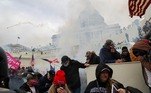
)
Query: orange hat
[{"x": 59, "y": 78}]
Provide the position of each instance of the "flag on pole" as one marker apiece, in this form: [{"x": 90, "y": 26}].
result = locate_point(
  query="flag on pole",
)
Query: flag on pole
[
  {"x": 55, "y": 60},
  {"x": 47, "y": 60},
  {"x": 32, "y": 60},
  {"x": 51, "y": 60},
  {"x": 138, "y": 7},
  {"x": 13, "y": 63}
]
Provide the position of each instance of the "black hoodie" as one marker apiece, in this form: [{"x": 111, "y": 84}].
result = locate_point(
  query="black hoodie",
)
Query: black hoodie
[{"x": 97, "y": 86}]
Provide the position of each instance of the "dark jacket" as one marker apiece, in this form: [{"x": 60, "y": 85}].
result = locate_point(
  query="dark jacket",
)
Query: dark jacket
[
  {"x": 44, "y": 84},
  {"x": 126, "y": 58},
  {"x": 26, "y": 88},
  {"x": 3, "y": 64},
  {"x": 72, "y": 73},
  {"x": 106, "y": 56},
  {"x": 94, "y": 59},
  {"x": 4, "y": 79},
  {"x": 97, "y": 86}
]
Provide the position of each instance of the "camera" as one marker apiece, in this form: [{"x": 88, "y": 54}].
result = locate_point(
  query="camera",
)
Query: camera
[{"x": 139, "y": 52}]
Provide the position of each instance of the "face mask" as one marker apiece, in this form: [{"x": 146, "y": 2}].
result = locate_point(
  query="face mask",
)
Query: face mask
[{"x": 66, "y": 64}]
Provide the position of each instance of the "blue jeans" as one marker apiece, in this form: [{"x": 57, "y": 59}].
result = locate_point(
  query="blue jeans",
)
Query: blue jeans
[{"x": 77, "y": 90}]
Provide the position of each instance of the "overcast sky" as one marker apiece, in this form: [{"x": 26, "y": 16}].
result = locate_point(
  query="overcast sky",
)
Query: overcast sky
[{"x": 35, "y": 21}]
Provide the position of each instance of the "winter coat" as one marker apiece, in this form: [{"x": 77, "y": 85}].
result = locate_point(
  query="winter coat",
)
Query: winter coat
[
  {"x": 106, "y": 56},
  {"x": 3, "y": 64},
  {"x": 97, "y": 86},
  {"x": 44, "y": 84},
  {"x": 94, "y": 59},
  {"x": 72, "y": 74},
  {"x": 26, "y": 88},
  {"x": 126, "y": 58}
]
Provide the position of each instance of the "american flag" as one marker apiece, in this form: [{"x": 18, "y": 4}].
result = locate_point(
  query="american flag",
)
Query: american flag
[
  {"x": 55, "y": 60},
  {"x": 32, "y": 60},
  {"x": 138, "y": 7}
]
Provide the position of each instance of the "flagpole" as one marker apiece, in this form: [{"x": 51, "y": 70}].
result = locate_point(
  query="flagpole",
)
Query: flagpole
[
  {"x": 149, "y": 19},
  {"x": 33, "y": 59}
]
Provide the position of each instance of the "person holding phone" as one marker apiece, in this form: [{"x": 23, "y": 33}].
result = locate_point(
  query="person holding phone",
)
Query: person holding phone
[
  {"x": 108, "y": 53},
  {"x": 59, "y": 83}
]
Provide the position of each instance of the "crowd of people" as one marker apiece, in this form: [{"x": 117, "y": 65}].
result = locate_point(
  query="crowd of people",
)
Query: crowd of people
[{"x": 67, "y": 78}]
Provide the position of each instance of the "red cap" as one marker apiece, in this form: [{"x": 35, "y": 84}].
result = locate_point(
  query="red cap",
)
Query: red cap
[{"x": 59, "y": 78}]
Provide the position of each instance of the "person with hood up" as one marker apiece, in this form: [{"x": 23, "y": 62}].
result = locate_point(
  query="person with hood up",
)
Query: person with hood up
[
  {"x": 103, "y": 82},
  {"x": 59, "y": 83},
  {"x": 71, "y": 69}
]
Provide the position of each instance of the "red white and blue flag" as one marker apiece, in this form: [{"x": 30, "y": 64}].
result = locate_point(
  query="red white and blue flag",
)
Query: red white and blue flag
[{"x": 138, "y": 7}]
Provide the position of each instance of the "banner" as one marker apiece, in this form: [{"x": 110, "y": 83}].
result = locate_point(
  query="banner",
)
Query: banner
[{"x": 13, "y": 63}]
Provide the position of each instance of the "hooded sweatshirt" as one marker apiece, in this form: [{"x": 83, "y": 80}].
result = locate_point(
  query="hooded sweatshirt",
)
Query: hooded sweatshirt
[{"x": 97, "y": 86}]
